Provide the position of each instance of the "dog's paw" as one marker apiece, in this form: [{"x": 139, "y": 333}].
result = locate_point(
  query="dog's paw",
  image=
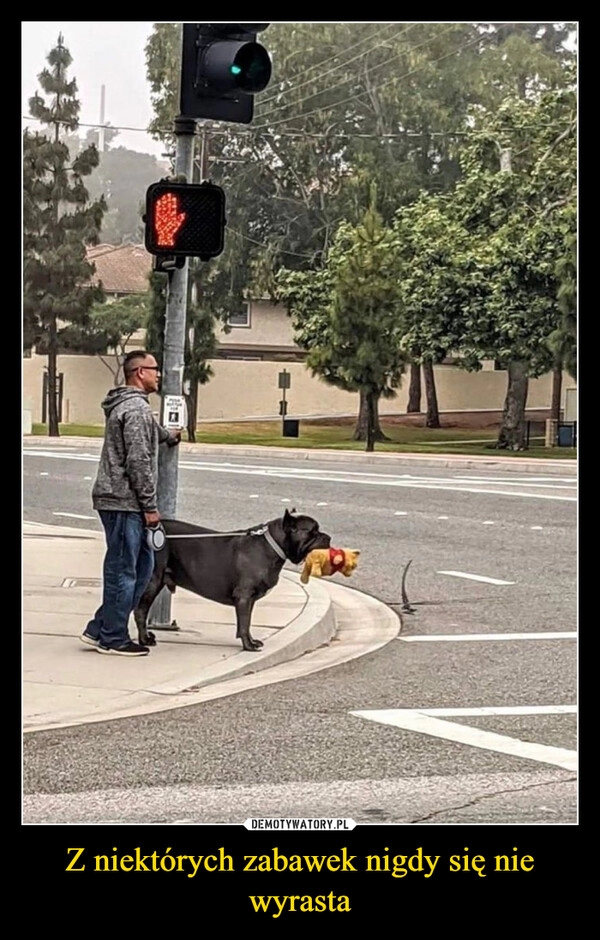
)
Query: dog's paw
[
  {"x": 252, "y": 645},
  {"x": 149, "y": 640}
]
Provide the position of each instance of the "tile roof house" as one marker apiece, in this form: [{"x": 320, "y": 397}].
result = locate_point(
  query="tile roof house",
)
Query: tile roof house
[
  {"x": 260, "y": 330},
  {"x": 123, "y": 269}
]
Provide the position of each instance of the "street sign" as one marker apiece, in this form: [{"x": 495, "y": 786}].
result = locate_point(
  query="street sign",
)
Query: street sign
[{"x": 174, "y": 412}]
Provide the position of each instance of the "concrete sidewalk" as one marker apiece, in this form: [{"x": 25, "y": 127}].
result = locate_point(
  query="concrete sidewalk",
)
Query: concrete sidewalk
[{"x": 304, "y": 628}]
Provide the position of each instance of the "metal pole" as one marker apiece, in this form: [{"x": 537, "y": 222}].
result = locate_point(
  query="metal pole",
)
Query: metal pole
[{"x": 172, "y": 374}]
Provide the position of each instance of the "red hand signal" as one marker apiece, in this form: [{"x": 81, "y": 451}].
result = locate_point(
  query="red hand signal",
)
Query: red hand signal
[{"x": 167, "y": 219}]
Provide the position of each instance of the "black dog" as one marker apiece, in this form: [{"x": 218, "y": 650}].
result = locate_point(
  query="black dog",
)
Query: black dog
[{"x": 235, "y": 569}]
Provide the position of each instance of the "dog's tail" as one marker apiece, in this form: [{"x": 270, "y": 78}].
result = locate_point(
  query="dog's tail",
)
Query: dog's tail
[{"x": 405, "y": 602}]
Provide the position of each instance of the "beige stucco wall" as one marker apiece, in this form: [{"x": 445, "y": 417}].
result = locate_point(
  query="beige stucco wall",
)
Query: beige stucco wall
[
  {"x": 243, "y": 388},
  {"x": 269, "y": 325},
  {"x": 86, "y": 380}
]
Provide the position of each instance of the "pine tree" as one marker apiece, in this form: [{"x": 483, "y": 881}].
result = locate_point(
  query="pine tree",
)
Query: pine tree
[{"x": 59, "y": 222}]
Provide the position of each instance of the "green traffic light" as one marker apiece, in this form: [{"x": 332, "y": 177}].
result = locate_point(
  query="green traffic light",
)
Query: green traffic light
[{"x": 251, "y": 66}]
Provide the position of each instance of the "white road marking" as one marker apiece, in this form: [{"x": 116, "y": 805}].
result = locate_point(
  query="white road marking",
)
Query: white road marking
[
  {"x": 475, "y": 577},
  {"x": 470, "y": 637},
  {"x": 536, "y": 527},
  {"x": 488, "y": 522},
  {"x": 401, "y": 514},
  {"x": 381, "y": 479},
  {"x": 424, "y": 721},
  {"x": 442, "y": 517},
  {"x": 503, "y": 710},
  {"x": 72, "y": 515},
  {"x": 348, "y": 478},
  {"x": 514, "y": 481}
]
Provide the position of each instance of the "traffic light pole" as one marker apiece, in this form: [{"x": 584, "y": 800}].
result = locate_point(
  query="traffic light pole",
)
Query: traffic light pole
[{"x": 172, "y": 369}]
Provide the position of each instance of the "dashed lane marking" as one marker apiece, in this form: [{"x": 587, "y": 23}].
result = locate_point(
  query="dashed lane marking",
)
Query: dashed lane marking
[{"x": 475, "y": 577}]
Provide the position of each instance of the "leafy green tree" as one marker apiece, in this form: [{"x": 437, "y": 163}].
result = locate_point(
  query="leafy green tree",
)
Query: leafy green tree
[
  {"x": 59, "y": 222},
  {"x": 563, "y": 340},
  {"x": 518, "y": 202},
  {"x": 115, "y": 323},
  {"x": 349, "y": 104},
  {"x": 432, "y": 258},
  {"x": 348, "y": 317},
  {"x": 289, "y": 177}
]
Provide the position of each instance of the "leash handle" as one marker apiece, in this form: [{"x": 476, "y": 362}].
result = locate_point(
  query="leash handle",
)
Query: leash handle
[{"x": 155, "y": 537}]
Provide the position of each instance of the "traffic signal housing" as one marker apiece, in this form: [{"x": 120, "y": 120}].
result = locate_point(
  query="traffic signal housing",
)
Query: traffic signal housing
[
  {"x": 185, "y": 220},
  {"x": 222, "y": 68}
]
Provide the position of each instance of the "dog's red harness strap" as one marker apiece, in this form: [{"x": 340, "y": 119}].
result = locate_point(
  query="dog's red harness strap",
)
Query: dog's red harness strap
[{"x": 337, "y": 558}]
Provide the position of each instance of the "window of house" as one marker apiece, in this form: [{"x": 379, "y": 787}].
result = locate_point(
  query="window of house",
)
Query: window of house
[{"x": 240, "y": 317}]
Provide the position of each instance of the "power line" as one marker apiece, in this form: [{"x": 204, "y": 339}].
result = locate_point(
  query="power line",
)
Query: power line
[
  {"x": 345, "y": 135},
  {"x": 324, "y": 61},
  {"x": 395, "y": 78},
  {"x": 258, "y": 128},
  {"x": 393, "y": 58},
  {"x": 277, "y": 96},
  {"x": 281, "y": 251}
]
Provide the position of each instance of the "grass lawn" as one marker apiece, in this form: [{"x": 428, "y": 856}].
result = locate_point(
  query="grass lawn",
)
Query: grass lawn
[{"x": 337, "y": 435}]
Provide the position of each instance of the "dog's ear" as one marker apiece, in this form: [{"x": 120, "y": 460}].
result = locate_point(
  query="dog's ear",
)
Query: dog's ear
[{"x": 288, "y": 520}]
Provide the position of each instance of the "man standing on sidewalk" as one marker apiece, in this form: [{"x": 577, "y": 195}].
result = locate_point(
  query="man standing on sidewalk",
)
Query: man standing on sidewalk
[{"x": 124, "y": 495}]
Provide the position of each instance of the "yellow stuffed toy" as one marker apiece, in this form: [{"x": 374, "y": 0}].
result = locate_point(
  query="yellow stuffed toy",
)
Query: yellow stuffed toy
[{"x": 323, "y": 562}]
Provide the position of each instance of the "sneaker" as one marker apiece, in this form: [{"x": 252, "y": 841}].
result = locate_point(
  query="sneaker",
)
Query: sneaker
[
  {"x": 130, "y": 649},
  {"x": 90, "y": 640}
]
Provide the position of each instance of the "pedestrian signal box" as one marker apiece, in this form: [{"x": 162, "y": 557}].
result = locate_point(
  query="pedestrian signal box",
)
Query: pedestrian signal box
[{"x": 185, "y": 219}]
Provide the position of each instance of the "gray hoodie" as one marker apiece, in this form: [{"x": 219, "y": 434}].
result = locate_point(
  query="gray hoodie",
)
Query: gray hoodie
[{"x": 128, "y": 470}]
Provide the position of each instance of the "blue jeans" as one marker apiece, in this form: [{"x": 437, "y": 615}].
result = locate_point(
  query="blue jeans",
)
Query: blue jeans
[{"x": 127, "y": 569}]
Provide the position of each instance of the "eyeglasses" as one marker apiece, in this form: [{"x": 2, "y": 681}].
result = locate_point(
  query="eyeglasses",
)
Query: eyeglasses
[{"x": 154, "y": 368}]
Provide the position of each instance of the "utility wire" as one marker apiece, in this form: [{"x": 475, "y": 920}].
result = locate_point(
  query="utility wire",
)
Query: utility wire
[
  {"x": 351, "y": 135},
  {"x": 395, "y": 78},
  {"x": 297, "y": 104},
  {"x": 317, "y": 65},
  {"x": 258, "y": 127},
  {"x": 278, "y": 95}
]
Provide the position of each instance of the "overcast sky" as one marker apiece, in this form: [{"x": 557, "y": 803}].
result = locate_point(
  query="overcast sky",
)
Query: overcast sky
[{"x": 109, "y": 54}]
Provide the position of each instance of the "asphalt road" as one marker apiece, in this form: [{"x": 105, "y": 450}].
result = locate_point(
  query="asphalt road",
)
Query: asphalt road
[{"x": 493, "y": 557}]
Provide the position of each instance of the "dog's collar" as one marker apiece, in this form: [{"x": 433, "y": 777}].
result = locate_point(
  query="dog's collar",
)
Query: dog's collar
[
  {"x": 264, "y": 530},
  {"x": 277, "y": 548}
]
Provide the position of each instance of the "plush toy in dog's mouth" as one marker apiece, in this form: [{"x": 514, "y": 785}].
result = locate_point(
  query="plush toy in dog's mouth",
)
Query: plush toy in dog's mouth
[{"x": 324, "y": 562}]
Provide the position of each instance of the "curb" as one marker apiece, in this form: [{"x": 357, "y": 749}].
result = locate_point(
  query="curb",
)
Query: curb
[{"x": 566, "y": 467}]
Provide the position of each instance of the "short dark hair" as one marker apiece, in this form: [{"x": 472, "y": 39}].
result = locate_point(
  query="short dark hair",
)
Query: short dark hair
[{"x": 130, "y": 362}]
